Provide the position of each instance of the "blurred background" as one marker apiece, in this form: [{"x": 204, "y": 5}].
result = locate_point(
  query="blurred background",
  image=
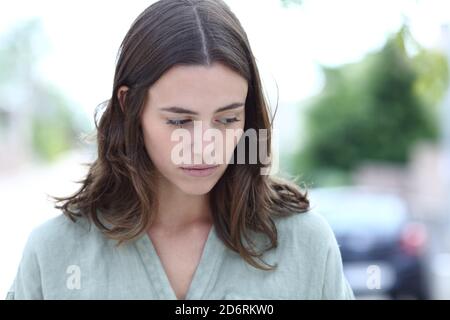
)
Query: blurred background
[{"x": 363, "y": 119}]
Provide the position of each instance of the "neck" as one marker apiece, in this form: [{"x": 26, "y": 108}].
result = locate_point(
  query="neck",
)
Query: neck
[{"x": 178, "y": 210}]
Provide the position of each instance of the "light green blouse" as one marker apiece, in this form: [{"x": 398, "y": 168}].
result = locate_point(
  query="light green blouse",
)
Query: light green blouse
[{"x": 67, "y": 260}]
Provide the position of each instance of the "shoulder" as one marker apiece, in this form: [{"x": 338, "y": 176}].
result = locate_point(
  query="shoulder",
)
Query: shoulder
[
  {"x": 60, "y": 236},
  {"x": 309, "y": 228},
  {"x": 57, "y": 229},
  {"x": 59, "y": 240},
  {"x": 308, "y": 239},
  {"x": 48, "y": 248}
]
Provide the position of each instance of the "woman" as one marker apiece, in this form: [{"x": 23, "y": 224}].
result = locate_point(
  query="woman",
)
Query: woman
[{"x": 145, "y": 223}]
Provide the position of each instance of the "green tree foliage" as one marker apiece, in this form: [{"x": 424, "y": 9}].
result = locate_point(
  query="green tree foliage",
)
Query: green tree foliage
[
  {"x": 375, "y": 110},
  {"x": 55, "y": 128}
]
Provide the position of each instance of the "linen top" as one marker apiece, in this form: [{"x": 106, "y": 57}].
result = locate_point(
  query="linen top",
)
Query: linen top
[{"x": 75, "y": 260}]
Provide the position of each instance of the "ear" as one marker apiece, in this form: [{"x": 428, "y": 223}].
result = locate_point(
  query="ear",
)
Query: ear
[{"x": 121, "y": 94}]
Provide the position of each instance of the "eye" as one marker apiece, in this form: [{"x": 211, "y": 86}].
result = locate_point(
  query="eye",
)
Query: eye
[
  {"x": 177, "y": 122},
  {"x": 228, "y": 120}
]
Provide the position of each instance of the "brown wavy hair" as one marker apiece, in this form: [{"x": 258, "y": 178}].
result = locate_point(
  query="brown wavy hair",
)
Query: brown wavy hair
[{"x": 119, "y": 188}]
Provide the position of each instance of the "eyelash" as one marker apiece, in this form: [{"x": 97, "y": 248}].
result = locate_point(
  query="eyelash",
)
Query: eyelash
[{"x": 179, "y": 123}]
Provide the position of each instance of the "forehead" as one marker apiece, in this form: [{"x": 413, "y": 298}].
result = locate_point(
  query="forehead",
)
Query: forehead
[{"x": 196, "y": 87}]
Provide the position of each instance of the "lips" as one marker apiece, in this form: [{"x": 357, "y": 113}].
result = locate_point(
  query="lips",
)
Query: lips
[
  {"x": 199, "y": 167},
  {"x": 199, "y": 170}
]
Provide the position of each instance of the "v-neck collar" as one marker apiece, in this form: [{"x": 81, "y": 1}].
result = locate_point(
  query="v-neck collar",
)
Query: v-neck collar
[{"x": 204, "y": 274}]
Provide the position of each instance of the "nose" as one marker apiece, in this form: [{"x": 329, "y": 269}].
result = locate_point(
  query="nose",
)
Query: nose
[{"x": 206, "y": 142}]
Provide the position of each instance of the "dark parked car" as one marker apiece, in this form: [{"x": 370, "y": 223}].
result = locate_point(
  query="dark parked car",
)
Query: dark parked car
[{"x": 382, "y": 249}]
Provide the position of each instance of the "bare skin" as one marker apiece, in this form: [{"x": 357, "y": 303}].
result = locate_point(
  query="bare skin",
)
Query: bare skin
[{"x": 180, "y": 254}]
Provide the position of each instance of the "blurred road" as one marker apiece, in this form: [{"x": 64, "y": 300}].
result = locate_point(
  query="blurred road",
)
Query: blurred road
[{"x": 439, "y": 259}]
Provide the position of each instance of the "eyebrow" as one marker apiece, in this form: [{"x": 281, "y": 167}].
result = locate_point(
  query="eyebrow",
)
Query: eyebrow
[{"x": 176, "y": 109}]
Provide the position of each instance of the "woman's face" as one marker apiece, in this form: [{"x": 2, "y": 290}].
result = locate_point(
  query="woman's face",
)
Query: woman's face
[{"x": 214, "y": 97}]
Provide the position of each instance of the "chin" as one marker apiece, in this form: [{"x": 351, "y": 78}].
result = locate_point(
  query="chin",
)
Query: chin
[{"x": 197, "y": 188}]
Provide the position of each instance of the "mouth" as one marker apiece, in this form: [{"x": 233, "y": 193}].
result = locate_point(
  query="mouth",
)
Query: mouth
[{"x": 199, "y": 170}]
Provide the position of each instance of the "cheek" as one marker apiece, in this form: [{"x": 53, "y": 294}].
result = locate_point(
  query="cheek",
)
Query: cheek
[
  {"x": 228, "y": 143},
  {"x": 157, "y": 143},
  {"x": 238, "y": 131},
  {"x": 231, "y": 144}
]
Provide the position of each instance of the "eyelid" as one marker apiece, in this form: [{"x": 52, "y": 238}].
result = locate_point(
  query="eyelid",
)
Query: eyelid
[
  {"x": 189, "y": 119},
  {"x": 223, "y": 120},
  {"x": 233, "y": 118},
  {"x": 178, "y": 122},
  {"x": 236, "y": 111},
  {"x": 229, "y": 117}
]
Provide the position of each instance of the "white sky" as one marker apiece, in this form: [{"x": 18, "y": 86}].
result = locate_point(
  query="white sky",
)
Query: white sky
[{"x": 84, "y": 37}]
